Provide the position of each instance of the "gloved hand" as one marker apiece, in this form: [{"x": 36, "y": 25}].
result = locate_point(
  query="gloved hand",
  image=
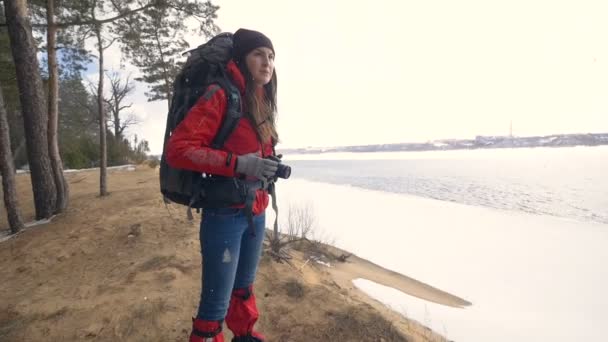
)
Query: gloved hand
[
  {"x": 253, "y": 165},
  {"x": 276, "y": 158}
]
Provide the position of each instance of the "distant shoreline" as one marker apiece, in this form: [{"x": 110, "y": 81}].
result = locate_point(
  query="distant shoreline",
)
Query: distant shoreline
[{"x": 480, "y": 142}]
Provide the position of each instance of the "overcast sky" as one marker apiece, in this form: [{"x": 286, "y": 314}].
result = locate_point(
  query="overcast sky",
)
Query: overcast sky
[{"x": 366, "y": 72}]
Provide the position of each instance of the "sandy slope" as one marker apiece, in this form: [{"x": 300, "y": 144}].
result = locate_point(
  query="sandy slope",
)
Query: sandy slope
[
  {"x": 127, "y": 268},
  {"x": 345, "y": 273}
]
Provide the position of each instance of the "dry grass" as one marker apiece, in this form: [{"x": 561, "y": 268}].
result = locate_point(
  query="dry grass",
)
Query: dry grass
[
  {"x": 356, "y": 324},
  {"x": 294, "y": 288},
  {"x": 81, "y": 278}
]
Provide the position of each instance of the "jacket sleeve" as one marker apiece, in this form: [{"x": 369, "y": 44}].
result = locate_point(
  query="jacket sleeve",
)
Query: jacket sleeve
[{"x": 189, "y": 145}]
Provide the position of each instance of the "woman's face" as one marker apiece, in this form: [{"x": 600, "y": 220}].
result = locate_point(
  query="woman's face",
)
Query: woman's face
[{"x": 260, "y": 63}]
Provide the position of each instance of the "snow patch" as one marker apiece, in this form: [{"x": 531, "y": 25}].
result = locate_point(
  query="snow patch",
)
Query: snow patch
[
  {"x": 326, "y": 264},
  {"x": 6, "y": 235},
  {"x": 128, "y": 167}
]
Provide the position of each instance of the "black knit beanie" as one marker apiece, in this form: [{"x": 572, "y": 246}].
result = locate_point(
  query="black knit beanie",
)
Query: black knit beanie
[{"x": 246, "y": 40}]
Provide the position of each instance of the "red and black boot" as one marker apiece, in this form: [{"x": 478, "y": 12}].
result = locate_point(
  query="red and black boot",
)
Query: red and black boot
[
  {"x": 242, "y": 315},
  {"x": 206, "y": 331}
]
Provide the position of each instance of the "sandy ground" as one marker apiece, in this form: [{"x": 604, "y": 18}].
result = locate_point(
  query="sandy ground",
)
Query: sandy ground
[{"x": 127, "y": 268}]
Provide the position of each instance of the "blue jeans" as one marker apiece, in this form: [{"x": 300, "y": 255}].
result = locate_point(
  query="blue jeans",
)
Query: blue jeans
[{"x": 231, "y": 254}]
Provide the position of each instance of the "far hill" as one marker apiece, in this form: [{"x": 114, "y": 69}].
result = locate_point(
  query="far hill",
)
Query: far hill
[{"x": 557, "y": 140}]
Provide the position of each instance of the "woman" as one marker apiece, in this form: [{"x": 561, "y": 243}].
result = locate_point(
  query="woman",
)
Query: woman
[{"x": 230, "y": 250}]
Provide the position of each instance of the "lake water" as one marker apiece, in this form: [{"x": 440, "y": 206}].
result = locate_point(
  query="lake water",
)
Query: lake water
[
  {"x": 564, "y": 182},
  {"x": 520, "y": 233}
]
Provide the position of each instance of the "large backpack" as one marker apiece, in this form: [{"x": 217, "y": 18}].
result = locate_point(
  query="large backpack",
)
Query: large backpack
[{"x": 205, "y": 66}]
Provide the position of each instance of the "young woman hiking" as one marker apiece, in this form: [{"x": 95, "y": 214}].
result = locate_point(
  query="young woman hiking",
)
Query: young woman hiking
[{"x": 231, "y": 243}]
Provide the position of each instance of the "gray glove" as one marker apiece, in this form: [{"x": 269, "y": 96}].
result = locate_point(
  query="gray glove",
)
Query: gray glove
[{"x": 252, "y": 165}]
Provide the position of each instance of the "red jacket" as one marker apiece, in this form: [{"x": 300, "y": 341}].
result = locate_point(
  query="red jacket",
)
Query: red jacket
[{"x": 189, "y": 145}]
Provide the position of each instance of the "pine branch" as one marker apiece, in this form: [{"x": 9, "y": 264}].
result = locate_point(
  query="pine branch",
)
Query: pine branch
[
  {"x": 110, "y": 44},
  {"x": 96, "y": 22}
]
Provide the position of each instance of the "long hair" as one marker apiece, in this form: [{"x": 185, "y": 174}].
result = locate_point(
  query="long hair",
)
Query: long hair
[{"x": 261, "y": 106}]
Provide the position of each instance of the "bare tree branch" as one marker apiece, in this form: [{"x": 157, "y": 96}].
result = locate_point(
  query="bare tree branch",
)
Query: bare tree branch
[
  {"x": 111, "y": 42},
  {"x": 119, "y": 91}
]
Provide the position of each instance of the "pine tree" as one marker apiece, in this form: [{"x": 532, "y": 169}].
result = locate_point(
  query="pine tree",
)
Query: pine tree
[{"x": 35, "y": 117}]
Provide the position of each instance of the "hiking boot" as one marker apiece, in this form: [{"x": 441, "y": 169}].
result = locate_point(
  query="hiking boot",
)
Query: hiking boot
[
  {"x": 242, "y": 315},
  {"x": 248, "y": 338},
  {"x": 206, "y": 331}
]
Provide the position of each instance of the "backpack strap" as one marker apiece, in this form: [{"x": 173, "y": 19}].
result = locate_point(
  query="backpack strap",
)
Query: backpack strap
[
  {"x": 211, "y": 91},
  {"x": 233, "y": 112}
]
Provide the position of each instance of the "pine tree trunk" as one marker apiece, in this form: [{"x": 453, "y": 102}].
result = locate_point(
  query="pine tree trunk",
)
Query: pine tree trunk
[
  {"x": 7, "y": 171},
  {"x": 35, "y": 118},
  {"x": 103, "y": 188},
  {"x": 53, "y": 110}
]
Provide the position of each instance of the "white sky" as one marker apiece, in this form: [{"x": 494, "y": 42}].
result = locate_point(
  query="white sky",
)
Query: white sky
[{"x": 386, "y": 71}]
